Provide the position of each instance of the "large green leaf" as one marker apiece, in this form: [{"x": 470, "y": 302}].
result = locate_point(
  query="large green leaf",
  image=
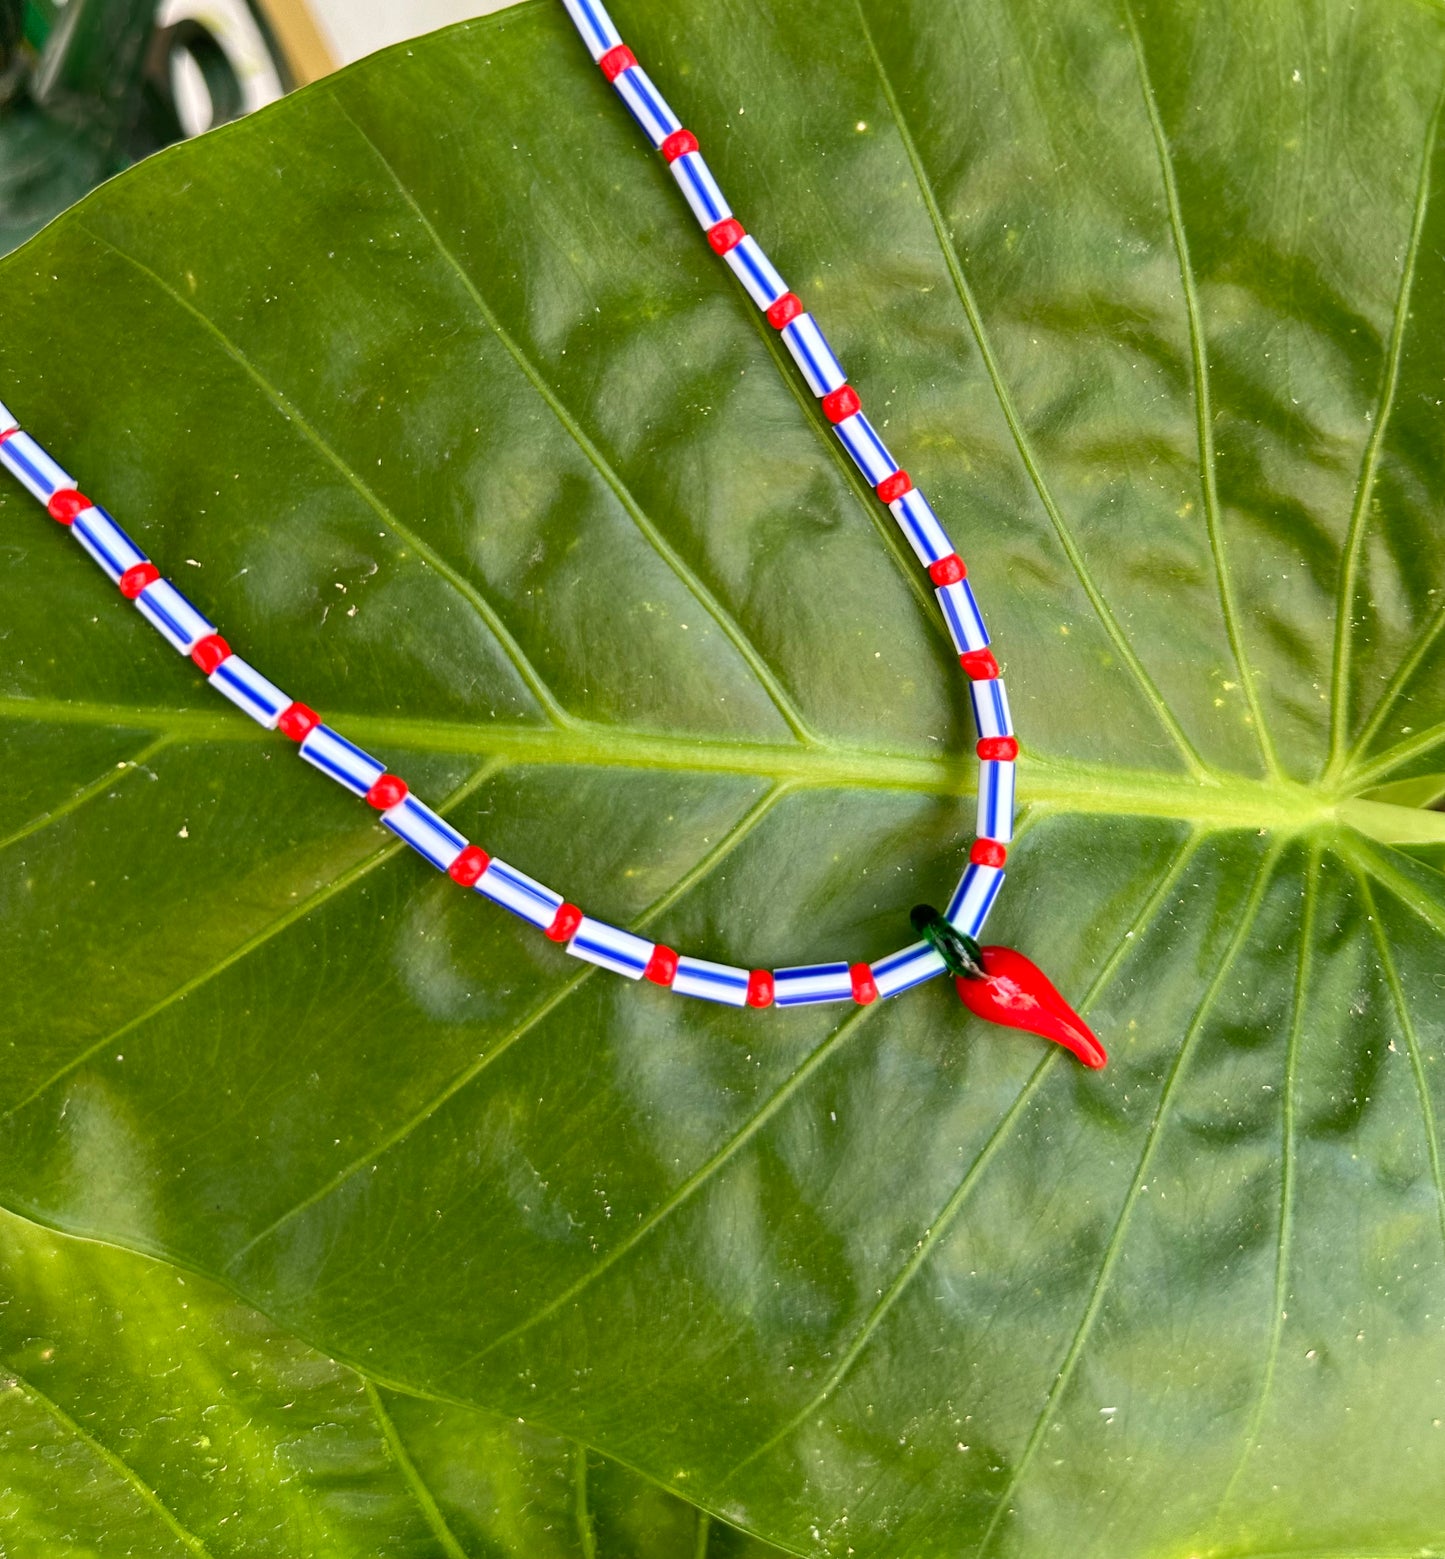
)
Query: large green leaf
[
  {"x": 144, "y": 1411},
  {"x": 425, "y": 386}
]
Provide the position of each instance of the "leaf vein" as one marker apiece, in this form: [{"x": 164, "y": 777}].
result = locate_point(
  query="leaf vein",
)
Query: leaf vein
[
  {"x": 112, "y": 775},
  {"x": 1412, "y": 1040},
  {"x": 714, "y": 858},
  {"x": 1203, "y": 402},
  {"x": 1354, "y": 536},
  {"x": 1116, "y": 1238},
  {"x": 415, "y": 1483},
  {"x": 1286, "y": 1189},
  {"x": 323, "y": 895},
  {"x": 112, "y": 1459},
  {"x": 954, "y": 263},
  {"x": 293, "y": 414},
  {"x": 940, "y": 1225},
  {"x": 762, "y": 672}
]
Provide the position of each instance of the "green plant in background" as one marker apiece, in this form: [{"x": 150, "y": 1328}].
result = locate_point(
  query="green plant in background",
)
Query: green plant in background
[
  {"x": 88, "y": 87},
  {"x": 425, "y": 386}
]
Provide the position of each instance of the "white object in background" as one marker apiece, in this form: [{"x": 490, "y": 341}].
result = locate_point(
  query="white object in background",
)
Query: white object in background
[
  {"x": 231, "y": 24},
  {"x": 357, "y": 27}
]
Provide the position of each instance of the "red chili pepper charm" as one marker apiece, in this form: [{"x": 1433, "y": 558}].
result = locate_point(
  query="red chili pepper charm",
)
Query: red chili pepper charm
[{"x": 1018, "y": 994}]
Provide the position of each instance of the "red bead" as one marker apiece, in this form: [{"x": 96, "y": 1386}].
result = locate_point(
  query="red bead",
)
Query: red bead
[
  {"x": 615, "y": 61},
  {"x": 864, "y": 990},
  {"x": 998, "y": 749},
  {"x": 388, "y": 791},
  {"x": 840, "y": 403},
  {"x": 65, "y": 503},
  {"x": 895, "y": 486},
  {"x": 979, "y": 664},
  {"x": 469, "y": 866},
  {"x": 298, "y": 722},
  {"x": 678, "y": 144},
  {"x": 564, "y": 923},
  {"x": 9, "y": 433},
  {"x": 136, "y": 578},
  {"x": 947, "y": 571},
  {"x": 785, "y": 310},
  {"x": 760, "y": 988},
  {"x": 208, "y": 653},
  {"x": 662, "y": 966},
  {"x": 987, "y": 852},
  {"x": 728, "y": 234}
]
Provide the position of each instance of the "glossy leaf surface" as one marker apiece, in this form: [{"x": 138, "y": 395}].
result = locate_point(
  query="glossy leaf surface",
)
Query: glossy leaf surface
[
  {"x": 145, "y": 1411},
  {"x": 425, "y": 386}
]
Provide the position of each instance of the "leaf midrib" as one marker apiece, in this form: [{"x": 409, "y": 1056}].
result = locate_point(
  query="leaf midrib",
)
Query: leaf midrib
[{"x": 1219, "y": 802}]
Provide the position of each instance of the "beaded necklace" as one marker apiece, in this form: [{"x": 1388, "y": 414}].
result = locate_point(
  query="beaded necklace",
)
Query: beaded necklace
[{"x": 996, "y": 983}]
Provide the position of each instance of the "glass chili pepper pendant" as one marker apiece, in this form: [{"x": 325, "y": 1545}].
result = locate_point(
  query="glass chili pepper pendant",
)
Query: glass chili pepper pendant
[{"x": 1001, "y": 985}]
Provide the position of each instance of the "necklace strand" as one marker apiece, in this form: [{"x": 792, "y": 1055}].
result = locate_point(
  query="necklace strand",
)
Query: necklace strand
[{"x": 189, "y": 632}]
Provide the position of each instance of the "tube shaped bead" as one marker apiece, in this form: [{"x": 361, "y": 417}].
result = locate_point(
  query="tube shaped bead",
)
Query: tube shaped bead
[
  {"x": 806, "y": 984},
  {"x": 172, "y": 616},
  {"x": 906, "y": 968},
  {"x": 596, "y": 26},
  {"x": 711, "y": 982},
  {"x": 431, "y": 836},
  {"x": 106, "y": 542},
  {"x": 973, "y": 898},
  {"x": 248, "y": 690},
  {"x": 921, "y": 527},
  {"x": 990, "y": 708},
  {"x": 341, "y": 760},
  {"x": 516, "y": 891},
  {"x": 647, "y": 105},
  {"x": 700, "y": 189},
  {"x": 996, "y": 801},
  {"x": 813, "y": 355},
  {"x": 870, "y": 454},
  {"x": 36, "y": 472},
  {"x": 965, "y": 622},
  {"x": 755, "y": 271},
  {"x": 611, "y": 948}
]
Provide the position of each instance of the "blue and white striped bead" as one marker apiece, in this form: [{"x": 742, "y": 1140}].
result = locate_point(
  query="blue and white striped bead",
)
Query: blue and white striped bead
[
  {"x": 610, "y": 947},
  {"x": 906, "y": 968},
  {"x": 711, "y": 982},
  {"x": 869, "y": 452},
  {"x": 106, "y": 542},
  {"x": 700, "y": 189},
  {"x": 341, "y": 760},
  {"x": 921, "y": 526},
  {"x": 808, "y": 983},
  {"x": 965, "y": 621},
  {"x": 429, "y": 834},
  {"x": 248, "y": 690},
  {"x": 516, "y": 891},
  {"x": 36, "y": 472},
  {"x": 595, "y": 26},
  {"x": 813, "y": 355},
  {"x": 172, "y": 616},
  {"x": 990, "y": 707},
  {"x": 996, "y": 800},
  {"x": 755, "y": 271},
  {"x": 973, "y": 898},
  {"x": 646, "y": 104}
]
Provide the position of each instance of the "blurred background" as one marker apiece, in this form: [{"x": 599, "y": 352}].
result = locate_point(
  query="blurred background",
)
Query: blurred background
[{"x": 88, "y": 87}]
